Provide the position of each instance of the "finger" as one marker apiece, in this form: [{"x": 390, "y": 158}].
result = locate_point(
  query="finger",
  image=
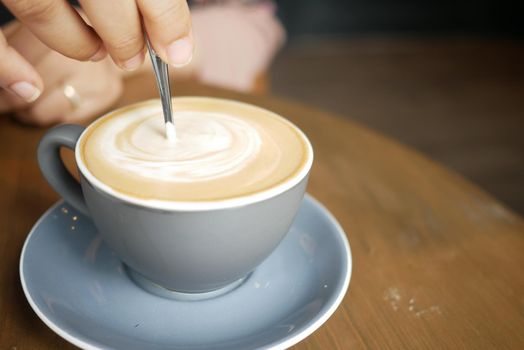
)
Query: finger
[
  {"x": 93, "y": 98},
  {"x": 33, "y": 50},
  {"x": 10, "y": 102},
  {"x": 47, "y": 111},
  {"x": 24, "y": 42},
  {"x": 55, "y": 108},
  {"x": 59, "y": 26},
  {"x": 17, "y": 75},
  {"x": 121, "y": 31},
  {"x": 68, "y": 69},
  {"x": 168, "y": 26}
]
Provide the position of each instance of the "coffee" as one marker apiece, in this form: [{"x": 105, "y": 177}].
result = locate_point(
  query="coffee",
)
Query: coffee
[{"x": 223, "y": 150}]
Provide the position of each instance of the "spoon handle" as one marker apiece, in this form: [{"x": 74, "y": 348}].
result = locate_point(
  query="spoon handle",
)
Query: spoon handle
[{"x": 162, "y": 81}]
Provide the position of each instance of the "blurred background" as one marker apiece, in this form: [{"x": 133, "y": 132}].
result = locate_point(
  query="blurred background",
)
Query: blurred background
[{"x": 444, "y": 77}]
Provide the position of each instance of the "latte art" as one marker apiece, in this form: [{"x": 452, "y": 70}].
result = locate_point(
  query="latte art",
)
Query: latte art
[
  {"x": 208, "y": 146},
  {"x": 222, "y": 150}
]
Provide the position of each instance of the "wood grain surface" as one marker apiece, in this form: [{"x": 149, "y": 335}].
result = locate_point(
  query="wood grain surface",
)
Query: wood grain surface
[{"x": 437, "y": 263}]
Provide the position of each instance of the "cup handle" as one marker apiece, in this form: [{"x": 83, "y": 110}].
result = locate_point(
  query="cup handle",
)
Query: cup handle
[{"x": 53, "y": 168}]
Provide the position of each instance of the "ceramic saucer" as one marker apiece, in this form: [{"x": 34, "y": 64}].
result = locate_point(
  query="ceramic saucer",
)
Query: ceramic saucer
[{"x": 79, "y": 288}]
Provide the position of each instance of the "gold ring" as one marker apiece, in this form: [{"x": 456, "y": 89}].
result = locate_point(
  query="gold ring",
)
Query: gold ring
[{"x": 72, "y": 95}]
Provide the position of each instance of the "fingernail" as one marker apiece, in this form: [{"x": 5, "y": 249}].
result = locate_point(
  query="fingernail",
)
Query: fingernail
[
  {"x": 99, "y": 55},
  {"x": 133, "y": 63},
  {"x": 180, "y": 52},
  {"x": 25, "y": 90}
]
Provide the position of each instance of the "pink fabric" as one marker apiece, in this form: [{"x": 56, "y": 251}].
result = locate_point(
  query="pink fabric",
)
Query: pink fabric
[{"x": 235, "y": 42}]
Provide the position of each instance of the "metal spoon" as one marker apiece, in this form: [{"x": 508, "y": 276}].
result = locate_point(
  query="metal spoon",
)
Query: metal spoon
[{"x": 162, "y": 82}]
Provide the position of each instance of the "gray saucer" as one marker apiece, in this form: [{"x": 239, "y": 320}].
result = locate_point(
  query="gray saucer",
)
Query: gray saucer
[{"x": 78, "y": 287}]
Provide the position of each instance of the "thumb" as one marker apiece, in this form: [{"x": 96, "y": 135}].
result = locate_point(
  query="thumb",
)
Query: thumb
[{"x": 17, "y": 75}]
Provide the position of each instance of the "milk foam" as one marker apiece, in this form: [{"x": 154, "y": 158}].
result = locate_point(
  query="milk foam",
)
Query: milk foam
[
  {"x": 207, "y": 146},
  {"x": 221, "y": 150},
  {"x": 170, "y": 132}
]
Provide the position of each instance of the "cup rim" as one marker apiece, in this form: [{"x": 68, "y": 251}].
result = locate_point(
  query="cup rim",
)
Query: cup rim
[{"x": 228, "y": 203}]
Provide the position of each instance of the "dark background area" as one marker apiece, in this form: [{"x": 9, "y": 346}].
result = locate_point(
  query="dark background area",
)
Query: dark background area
[
  {"x": 484, "y": 17},
  {"x": 443, "y": 77}
]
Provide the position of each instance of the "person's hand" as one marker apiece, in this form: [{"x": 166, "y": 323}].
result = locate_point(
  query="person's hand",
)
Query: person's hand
[
  {"x": 114, "y": 26},
  {"x": 235, "y": 43},
  {"x": 74, "y": 90}
]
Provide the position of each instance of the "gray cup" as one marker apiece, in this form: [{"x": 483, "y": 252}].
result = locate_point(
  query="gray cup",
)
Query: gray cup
[{"x": 185, "y": 248}]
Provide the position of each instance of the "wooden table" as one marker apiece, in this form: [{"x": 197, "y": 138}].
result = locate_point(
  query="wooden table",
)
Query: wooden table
[{"x": 438, "y": 263}]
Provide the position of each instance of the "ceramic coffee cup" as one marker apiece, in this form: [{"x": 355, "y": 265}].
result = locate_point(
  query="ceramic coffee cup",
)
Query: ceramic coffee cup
[{"x": 187, "y": 248}]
